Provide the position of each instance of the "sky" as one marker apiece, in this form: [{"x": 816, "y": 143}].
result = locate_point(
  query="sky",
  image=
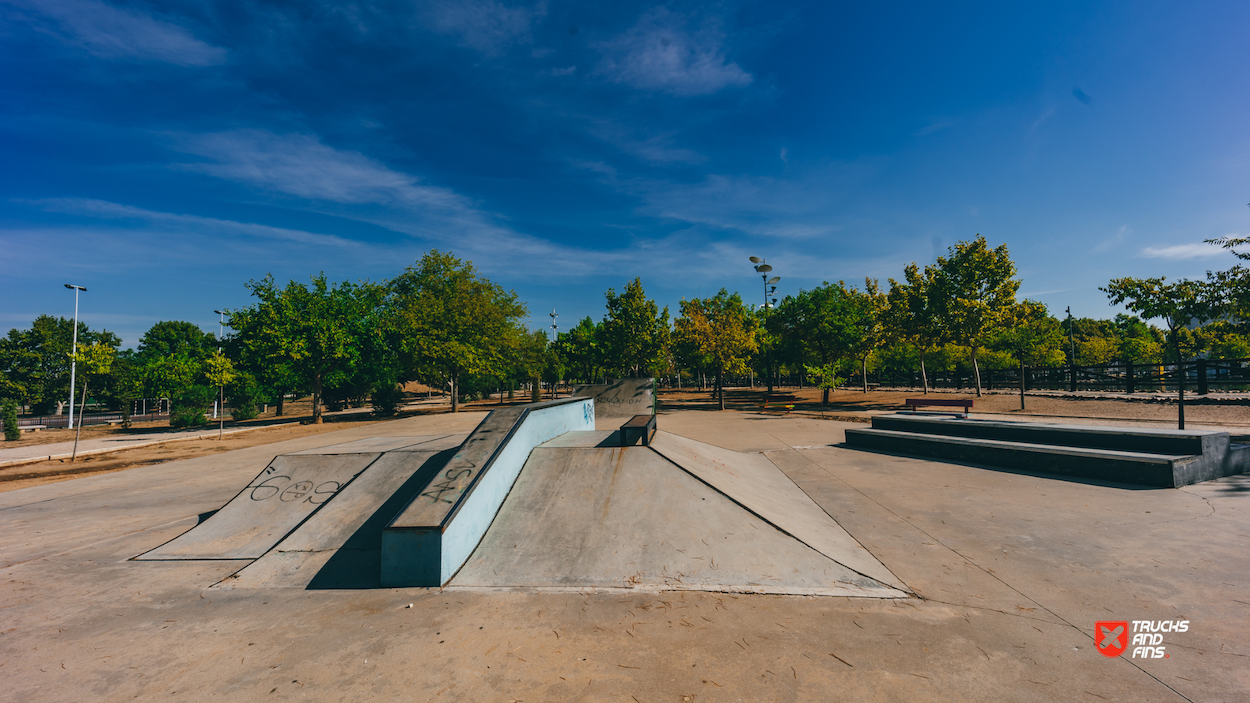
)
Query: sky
[{"x": 163, "y": 154}]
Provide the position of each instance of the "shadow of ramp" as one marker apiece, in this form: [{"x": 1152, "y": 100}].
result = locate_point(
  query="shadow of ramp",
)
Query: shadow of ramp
[
  {"x": 339, "y": 547},
  {"x": 358, "y": 563}
]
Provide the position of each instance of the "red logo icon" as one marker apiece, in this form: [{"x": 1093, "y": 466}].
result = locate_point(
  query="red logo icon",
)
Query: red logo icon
[{"x": 1111, "y": 637}]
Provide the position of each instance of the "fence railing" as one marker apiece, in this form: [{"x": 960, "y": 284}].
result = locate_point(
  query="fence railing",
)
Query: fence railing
[
  {"x": 51, "y": 421},
  {"x": 1201, "y": 376}
]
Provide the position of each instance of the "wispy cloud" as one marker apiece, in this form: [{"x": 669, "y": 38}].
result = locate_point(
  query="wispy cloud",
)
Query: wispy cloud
[
  {"x": 1184, "y": 251},
  {"x": 485, "y": 25},
  {"x": 110, "y": 32},
  {"x": 659, "y": 54},
  {"x": 104, "y": 209},
  {"x": 1115, "y": 241}
]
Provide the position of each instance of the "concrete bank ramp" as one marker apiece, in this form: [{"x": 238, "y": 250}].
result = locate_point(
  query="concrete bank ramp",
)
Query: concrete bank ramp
[
  {"x": 755, "y": 483},
  {"x": 339, "y": 546},
  {"x": 593, "y": 516},
  {"x": 290, "y": 490}
]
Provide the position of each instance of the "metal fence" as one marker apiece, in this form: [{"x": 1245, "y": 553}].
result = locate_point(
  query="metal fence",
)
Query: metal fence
[
  {"x": 51, "y": 421},
  {"x": 1201, "y": 376}
]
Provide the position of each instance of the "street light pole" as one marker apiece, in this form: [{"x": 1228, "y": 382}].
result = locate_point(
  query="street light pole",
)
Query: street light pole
[
  {"x": 762, "y": 268},
  {"x": 553, "y": 314},
  {"x": 221, "y": 391},
  {"x": 73, "y": 358}
]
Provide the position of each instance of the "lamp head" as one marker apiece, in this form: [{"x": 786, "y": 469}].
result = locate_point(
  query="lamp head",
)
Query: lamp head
[{"x": 756, "y": 260}]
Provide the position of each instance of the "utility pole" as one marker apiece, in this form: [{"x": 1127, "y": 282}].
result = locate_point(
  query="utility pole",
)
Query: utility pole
[{"x": 73, "y": 355}]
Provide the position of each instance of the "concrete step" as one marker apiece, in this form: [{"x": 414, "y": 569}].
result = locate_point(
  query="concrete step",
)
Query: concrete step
[
  {"x": 1148, "y": 469},
  {"x": 1129, "y": 439}
]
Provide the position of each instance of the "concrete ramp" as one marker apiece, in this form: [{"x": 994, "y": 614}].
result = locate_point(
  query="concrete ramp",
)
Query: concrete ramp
[
  {"x": 755, "y": 483},
  {"x": 339, "y": 546},
  {"x": 284, "y": 495},
  {"x": 598, "y": 517}
]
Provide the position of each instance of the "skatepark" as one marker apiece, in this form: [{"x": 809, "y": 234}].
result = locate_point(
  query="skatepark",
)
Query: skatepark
[{"x": 532, "y": 553}]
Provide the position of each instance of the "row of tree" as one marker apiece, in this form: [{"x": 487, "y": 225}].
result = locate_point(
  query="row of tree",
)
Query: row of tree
[{"x": 441, "y": 323}]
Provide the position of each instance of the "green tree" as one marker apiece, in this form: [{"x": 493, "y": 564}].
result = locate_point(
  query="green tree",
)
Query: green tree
[
  {"x": 8, "y": 408},
  {"x": 35, "y": 363},
  {"x": 976, "y": 287},
  {"x": 94, "y": 359},
  {"x": 866, "y": 321},
  {"x": 1178, "y": 304},
  {"x": 580, "y": 347},
  {"x": 912, "y": 315},
  {"x": 828, "y": 322},
  {"x": 453, "y": 322},
  {"x": 723, "y": 330},
  {"x": 635, "y": 332},
  {"x": 313, "y": 331},
  {"x": 1031, "y": 336},
  {"x": 168, "y": 338},
  {"x": 219, "y": 371}
]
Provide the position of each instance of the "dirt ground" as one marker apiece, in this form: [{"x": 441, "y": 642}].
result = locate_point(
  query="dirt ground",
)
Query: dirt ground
[{"x": 279, "y": 429}]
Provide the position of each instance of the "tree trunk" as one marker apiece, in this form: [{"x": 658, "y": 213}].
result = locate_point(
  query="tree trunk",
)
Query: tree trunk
[
  {"x": 924, "y": 377},
  {"x": 316, "y": 400},
  {"x": 720, "y": 387},
  {"x": 863, "y": 372},
  {"x": 824, "y": 397},
  {"x": 1022, "y": 383},
  {"x": 455, "y": 392},
  {"x": 976, "y": 371},
  {"x": 281, "y": 400}
]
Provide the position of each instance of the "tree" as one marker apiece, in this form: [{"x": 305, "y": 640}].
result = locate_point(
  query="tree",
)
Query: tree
[
  {"x": 8, "y": 409},
  {"x": 35, "y": 363},
  {"x": 866, "y": 321},
  {"x": 94, "y": 359},
  {"x": 912, "y": 315},
  {"x": 828, "y": 324},
  {"x": 1031, "y": 336},
  {"x": 976, "y": 288},
  {"x": 453, "y": 321},
  {"x": 1178, "y": 304},
  {"x": 635, "y": 332},
  {"x": 580, "y": 347},
  {"x": 314, "y": 329},
  {"x": 219, "y": 371},
  {"x": 722, "y": 330},
  {"x": 175, "y": 337}
]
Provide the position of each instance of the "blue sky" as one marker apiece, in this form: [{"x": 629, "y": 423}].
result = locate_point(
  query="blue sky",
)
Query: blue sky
[{"x": 164, "y": 153}]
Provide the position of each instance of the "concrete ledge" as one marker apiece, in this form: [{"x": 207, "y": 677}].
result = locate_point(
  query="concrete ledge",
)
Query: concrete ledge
[
  {"x": 1164, "y": 471},
  {"x": 1135, "y": 439}
]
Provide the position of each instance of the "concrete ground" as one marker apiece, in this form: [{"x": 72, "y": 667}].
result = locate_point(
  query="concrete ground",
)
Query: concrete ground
[{"x": 1011, "y": 570}]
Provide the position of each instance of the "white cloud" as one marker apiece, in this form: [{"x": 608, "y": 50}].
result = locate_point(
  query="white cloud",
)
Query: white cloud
[
  {"x": 485, "y": 25},
  {"x": 107, "y": 210},
  {"x": 659, "y": 54},
  {"x": 1184, "y": 251},
  {"x": 110, "y": 32}
]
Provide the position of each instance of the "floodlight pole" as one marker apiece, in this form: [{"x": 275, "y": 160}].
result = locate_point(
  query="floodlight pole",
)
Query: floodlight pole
[
  {"x": 73, "y": 355},
  {"x": 221, "y": 390},
  {"x": 553, "y": 314},
  {"x": 762, "y": 268}
]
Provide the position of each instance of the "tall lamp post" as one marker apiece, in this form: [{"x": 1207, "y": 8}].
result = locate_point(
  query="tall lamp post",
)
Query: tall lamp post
[
  {"x": 770, "y": 287},
  {"x": 221, "y": 391},
  {"x": 73, "y": 360},
  {"x": 553, "y": 314}
]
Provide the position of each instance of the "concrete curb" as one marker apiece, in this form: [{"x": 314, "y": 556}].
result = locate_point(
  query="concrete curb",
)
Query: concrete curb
[{"x": 136, "y": 445}]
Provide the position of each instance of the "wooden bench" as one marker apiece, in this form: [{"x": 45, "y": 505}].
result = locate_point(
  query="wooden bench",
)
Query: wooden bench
[
  {"x": 913, "y": 403},
  {"x": 32, "y": 428},
  {"x": 639, "y": 427},
  {"x": 785, "y": 409}
]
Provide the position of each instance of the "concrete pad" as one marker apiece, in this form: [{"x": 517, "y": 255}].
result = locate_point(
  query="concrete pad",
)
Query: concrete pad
[
  {"x": 754, "y": 482},
  {"x": 339, "y": 546},
  {"x": 625, "y": 518}
]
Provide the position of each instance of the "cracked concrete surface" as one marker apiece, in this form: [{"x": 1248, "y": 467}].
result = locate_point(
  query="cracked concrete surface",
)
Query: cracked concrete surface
[{"x": 1011, "y": 572}]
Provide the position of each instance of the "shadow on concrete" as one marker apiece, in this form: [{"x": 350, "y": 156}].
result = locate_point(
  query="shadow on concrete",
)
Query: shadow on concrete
[
  {"x": 204, "y": 516},
  {"x": 358, "y": 563},
  {"x": 1018, "y": 472},
  {"x": 1234, "y": 484}
]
